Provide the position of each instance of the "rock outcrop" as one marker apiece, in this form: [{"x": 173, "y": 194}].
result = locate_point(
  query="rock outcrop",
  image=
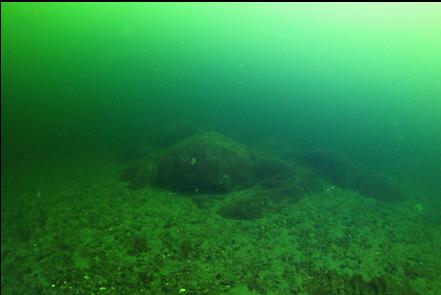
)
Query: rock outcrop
[
  {"x": 346, "y": 174},
  {"x": 213, "y": 163}
]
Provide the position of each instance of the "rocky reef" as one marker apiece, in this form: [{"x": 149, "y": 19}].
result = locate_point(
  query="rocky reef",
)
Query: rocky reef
[
  {"x": 187, "y": 161},
  {"x": 347, "y": 174},
  {"x": 212, "y": 163}
]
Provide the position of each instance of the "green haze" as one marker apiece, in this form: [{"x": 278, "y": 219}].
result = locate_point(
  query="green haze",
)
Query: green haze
[
  {"x": 95, "y": 79},
  {"x": 360, "y": 76}
]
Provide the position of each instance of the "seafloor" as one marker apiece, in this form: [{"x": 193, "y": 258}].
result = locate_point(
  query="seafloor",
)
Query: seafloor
[{"x": 72, "y": 227}]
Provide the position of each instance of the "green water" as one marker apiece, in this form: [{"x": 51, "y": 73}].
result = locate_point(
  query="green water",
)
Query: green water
[{"x": 83, "y": 83}]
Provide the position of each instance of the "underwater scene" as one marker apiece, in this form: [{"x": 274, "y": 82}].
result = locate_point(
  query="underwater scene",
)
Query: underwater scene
[{"x": 221, "y": 148}]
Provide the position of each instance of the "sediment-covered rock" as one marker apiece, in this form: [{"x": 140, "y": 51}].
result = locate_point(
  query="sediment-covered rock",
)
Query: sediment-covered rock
[
  {"x": 346, "y": 174},
  {"x": 212, "y": 163}
]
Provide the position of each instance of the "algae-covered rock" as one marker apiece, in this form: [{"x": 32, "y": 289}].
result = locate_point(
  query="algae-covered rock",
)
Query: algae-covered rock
[
  {"x": 347, "y": 174},
  {"x": 266, "y": 166},
  {"x": 203, "y": 163},
  {"x": 293, "y": 186},
  {"x": 213, "y": 163},
  {"x": 206, "y": 162}
]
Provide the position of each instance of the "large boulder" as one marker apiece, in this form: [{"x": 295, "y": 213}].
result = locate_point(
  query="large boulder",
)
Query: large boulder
[
  {"x": 212, "y": 163},
  {"x": 346, "y": 174}
]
